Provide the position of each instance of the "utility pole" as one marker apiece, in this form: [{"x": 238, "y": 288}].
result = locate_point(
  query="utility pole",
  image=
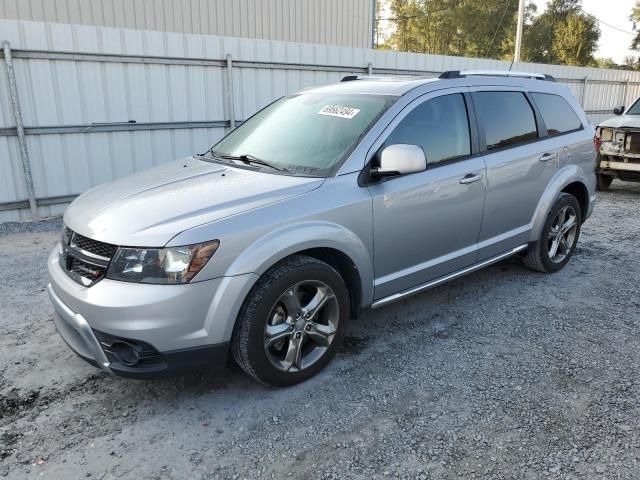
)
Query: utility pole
[{"x": 516, "y": 55}]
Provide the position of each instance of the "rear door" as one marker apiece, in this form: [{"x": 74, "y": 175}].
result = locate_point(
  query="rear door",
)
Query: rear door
[
  {"x": 565, "y": 130},
  {"x": 519, "y": 166}
]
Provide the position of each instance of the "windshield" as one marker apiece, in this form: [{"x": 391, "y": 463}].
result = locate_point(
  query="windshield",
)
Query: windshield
[
  {"x": 307, "y": 134},
  {"x": 635, "y": 108}
]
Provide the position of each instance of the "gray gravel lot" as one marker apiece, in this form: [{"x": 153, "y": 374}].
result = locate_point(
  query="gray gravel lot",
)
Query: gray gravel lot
[{"x": 505, "y": 373}]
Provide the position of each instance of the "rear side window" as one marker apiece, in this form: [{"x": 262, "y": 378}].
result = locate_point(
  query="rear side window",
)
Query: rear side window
[
  {"x": 507, "y": 118},
  {"x": 557, "y": 114},
  {"x": 439, "y": 125}
]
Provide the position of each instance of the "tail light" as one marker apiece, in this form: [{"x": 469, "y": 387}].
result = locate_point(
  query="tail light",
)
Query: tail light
[{"x": 597, "y": 141}]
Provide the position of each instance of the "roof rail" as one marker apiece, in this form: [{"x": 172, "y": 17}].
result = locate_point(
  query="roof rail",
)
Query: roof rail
[
  {"x": 495, "y": 73},
  {"x": 350, "y": 78}
]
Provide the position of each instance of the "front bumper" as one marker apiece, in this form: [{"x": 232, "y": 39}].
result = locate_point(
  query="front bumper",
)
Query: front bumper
[
  {"x": 77, "y": 333},
  {"x": 185, "y": 326}
]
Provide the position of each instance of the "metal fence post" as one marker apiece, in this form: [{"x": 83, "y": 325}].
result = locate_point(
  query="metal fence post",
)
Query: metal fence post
[
  {"x": 583, "y": 96},
  {"x": 369, "y": 69},
  {"x": 230, "y": 99},
  {"x": 22, "y": 142}
]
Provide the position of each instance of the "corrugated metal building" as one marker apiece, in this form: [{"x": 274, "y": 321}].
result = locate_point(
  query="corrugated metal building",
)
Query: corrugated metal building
[{"x": 330, "y": 22}]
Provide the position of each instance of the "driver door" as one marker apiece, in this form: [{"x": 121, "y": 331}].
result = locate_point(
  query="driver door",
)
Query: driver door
[{"x": 426, "y": 225}]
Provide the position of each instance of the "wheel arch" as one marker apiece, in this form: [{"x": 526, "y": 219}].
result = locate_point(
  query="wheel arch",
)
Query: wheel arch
[
  {"x": 347, "y": 269},
  {"x": 572, "y": 180},
  {"x": 332, "y": 243},
  {"x": 579, "y": 190}
]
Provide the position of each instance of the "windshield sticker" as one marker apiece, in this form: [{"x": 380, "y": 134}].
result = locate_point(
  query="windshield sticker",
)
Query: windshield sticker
[{"x": 338, "y": 111}]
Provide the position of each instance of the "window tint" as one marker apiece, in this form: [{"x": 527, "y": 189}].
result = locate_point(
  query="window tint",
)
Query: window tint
[
  {"x": 440, "y": 126},
  {"x": 557, "y": 114},
  {"x": 507, "y": 118}
]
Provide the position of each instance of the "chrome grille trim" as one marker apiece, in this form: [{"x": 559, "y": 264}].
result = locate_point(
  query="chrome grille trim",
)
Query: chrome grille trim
[{"x": 83, "y": 259}]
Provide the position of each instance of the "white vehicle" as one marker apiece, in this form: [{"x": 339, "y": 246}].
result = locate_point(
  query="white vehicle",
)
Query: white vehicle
[{"x": 618, "y": 144}]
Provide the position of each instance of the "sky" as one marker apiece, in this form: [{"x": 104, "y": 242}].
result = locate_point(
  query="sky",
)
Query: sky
[{"x": 613, "y": 43}]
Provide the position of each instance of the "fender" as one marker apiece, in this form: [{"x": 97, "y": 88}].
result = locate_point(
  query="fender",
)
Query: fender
[
  {"x": 568, "y": 174},
  {"x": 269, "y": 249}
]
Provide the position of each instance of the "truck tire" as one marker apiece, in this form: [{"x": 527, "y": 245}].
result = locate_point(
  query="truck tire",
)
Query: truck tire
[{"x": 603, "y": 182}]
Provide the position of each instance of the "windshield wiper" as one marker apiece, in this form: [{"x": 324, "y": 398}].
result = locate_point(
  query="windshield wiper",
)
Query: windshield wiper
[{"x": 247, "y": 159}]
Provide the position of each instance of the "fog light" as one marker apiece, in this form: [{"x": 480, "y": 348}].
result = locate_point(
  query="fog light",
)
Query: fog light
[{"x": 125, "y": 353}]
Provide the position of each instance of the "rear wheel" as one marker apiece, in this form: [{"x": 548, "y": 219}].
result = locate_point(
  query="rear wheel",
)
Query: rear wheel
[
  {"x": 292, "y": 322},
  {"x": 604, "y": 182},
  {"x": 559, "y": 236}
]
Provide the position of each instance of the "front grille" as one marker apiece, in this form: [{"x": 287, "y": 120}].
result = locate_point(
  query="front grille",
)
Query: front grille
[
  {"x": 91, "y": 272},
  {"x": 83, "y": 259},
  {"x": 105, "y": 250}
]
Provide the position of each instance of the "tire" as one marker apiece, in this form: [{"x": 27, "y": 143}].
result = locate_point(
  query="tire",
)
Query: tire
[
  {"x": 272, "y": 325},
  {"x": 539, "y": 255},
  {"x": 603, "y": 182}
]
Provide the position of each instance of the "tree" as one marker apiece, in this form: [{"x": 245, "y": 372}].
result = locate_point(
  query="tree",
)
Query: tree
[
  {"x": 575, "y": 40},
  {"x": 562, "y": 34},
  {"x": 475, "y": 28},
  {"x": 635, "y": 18},
  {"x": 606, "y": 63}
]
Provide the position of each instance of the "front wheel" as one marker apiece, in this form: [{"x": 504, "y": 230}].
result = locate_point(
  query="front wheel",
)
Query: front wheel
[
  {"x": 559, "y": 236},
  {"x": 292, "y": 322}
]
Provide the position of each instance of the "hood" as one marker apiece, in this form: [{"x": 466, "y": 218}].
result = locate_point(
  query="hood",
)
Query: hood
[
  {"x": 629, "y": 121},
  {"x": 149, "y": 208}
]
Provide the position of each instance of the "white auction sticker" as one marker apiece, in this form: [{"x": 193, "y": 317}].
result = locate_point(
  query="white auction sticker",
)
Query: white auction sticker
[{"x": 339, "y": 111}]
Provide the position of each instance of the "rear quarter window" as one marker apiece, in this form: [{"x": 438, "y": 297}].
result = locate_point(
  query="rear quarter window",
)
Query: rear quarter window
[{"x": 557, "y": 114}]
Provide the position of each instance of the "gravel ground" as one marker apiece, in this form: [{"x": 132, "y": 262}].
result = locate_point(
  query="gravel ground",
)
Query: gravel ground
[{"x": 505, "y": 373}]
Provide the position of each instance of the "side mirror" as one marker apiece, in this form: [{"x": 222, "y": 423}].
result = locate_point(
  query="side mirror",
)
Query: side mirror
[
  {"x": 400, "y": 159},
  {"x": 618, "y": 110}
]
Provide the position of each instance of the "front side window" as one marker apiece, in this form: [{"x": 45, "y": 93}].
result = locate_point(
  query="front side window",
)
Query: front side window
[
  {"x": 557, "y": 114},
  {"x": 439, "y": 125},
  {"x": 307, "y": 134},
  {"x": 507, "y": 118}
]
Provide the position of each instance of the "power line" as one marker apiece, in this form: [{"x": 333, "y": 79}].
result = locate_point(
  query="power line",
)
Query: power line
[
  {"x": 499, "y": 25},
  {"x": 607, "y": 24}
]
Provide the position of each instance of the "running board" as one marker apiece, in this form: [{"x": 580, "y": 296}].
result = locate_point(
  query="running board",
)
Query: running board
[{"x": 438, "y": 281}]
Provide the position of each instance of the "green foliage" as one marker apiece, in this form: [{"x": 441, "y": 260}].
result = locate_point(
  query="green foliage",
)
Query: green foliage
[
  {"x": 575, "y": 40},
  {"x": 486, "y": 28},
  {"x": 453, "y": 27},
  {"x": 635, "y": 18},
  {"x": 562, "y": 34},
  {"x": 606, "y": 63}
]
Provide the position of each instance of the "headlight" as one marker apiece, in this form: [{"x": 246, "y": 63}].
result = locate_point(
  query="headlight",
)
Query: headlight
[
  {"x": 160, "y": 265},
  {"x": 606, "y": 134}
]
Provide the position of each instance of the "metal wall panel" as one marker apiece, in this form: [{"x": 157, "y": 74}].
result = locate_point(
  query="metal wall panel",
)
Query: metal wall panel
[
  {"x": 331, "y": 22},
  {"x": 65, "y": 91}
]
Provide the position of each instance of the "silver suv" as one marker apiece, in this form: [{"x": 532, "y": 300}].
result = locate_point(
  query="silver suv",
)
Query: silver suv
[{"x": 335, "y": 199}]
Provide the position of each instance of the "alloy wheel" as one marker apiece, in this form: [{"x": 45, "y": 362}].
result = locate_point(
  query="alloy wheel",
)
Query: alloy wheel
[
  {"x": 301, "y": 326},
  {"x": 562, "y": 234}
]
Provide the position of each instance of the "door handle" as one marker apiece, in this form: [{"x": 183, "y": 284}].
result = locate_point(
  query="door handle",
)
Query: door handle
[
  {"x": 470, "y": 178},
  {"x": 548, "y": 156}
]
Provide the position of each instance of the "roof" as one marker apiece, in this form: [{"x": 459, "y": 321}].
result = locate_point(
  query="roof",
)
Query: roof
[
  {"x": 400, "y": 85},
  {"x": 388, "y": 85}
]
